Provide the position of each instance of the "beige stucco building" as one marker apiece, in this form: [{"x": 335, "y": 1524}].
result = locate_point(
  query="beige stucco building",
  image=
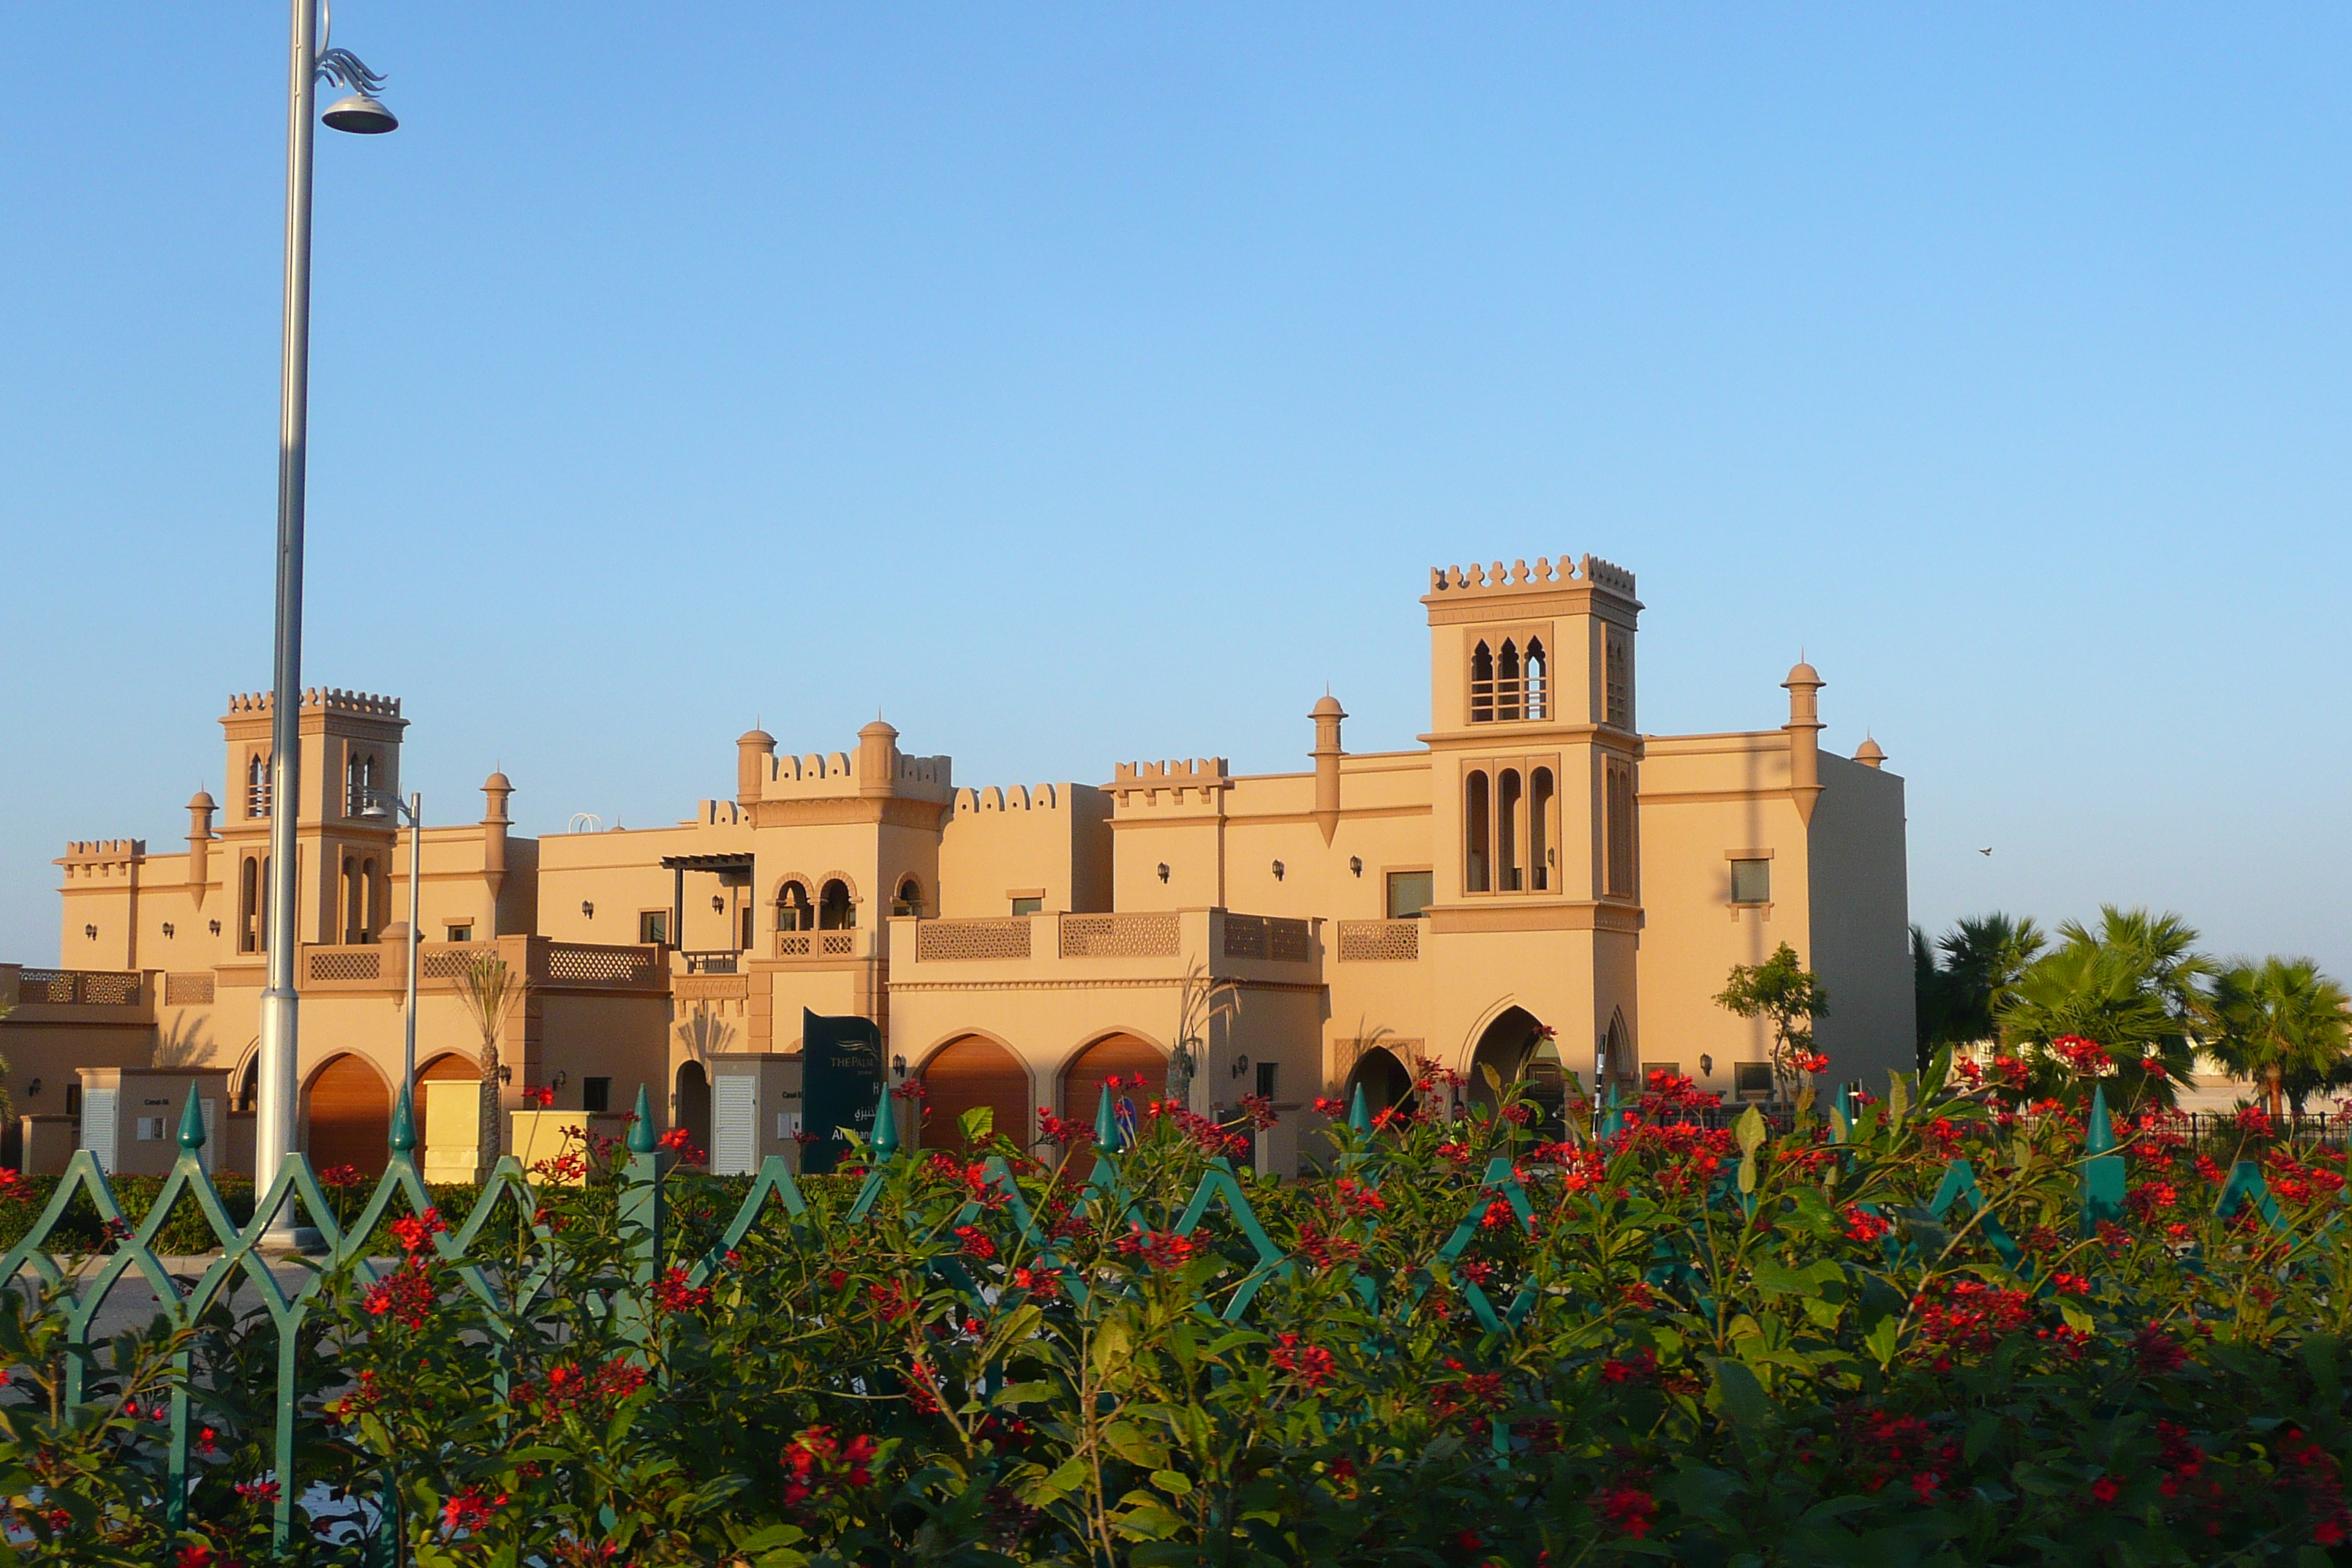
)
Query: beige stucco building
[{"x": 1537, "y": 882}]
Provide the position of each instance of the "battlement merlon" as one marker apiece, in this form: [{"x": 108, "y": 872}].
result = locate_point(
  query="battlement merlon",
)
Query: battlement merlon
[
  {"x": 1018, "y": 797},
  {"x": 89, "y": 852},
  {"x": 331, "y": 698},
  {"x": 818, "y": 776},
  {"x": 1204, "y": 775},
  {"x": 1450, "y": 583}
]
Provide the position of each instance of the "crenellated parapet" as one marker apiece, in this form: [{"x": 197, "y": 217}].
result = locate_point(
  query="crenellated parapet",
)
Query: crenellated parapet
[
  {"x": 1587, "y": 570},
  {"x": 101, "y": 859},
  {"x": 327, "y": 699},
  {"x": 1142, "y": 783},
  {"x": 1019, "y": 797}
]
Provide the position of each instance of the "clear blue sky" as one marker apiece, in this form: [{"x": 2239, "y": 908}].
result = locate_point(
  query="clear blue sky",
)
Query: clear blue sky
[{"x": 1085, "y": 383}]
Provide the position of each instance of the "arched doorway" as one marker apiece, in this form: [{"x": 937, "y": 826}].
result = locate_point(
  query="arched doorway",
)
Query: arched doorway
[
  {"x": 448, "y": 1065},
  {"x": 691, "y": 1108},
  {"x": 1518, "y": 1047},
  {"x": 1386, "y": 1082},
  {"x": 964, "y": 1075},
  {"x": 348, "y": 1109},
  {"x": 1123, "y": 1057}
]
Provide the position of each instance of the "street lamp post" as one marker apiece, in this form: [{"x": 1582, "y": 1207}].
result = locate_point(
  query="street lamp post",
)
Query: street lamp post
[
  {"x": 382, "y": 804},
  {"x": 309, "y": 62}
]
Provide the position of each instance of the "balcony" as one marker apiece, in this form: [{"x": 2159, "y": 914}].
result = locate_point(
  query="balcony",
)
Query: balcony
[
  {"x": 1223, "y": 944},
  {"x": 77, "y": 996},
  {"x": 829, "y": 947},
  {"x": 1378, "y": 941},
  {"x": 542, "y": 963}
]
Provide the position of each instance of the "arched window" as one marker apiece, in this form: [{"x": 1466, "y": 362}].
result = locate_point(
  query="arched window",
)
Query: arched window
[
  {"x": 1482, "y": 685},
  {"x": 1540, "y": 833},
  {"x": 354, "y": 908},
  {"x": 257, "y": 785},
  {"x": 1508, "y": 875},
  {"x": 248, "y": 907},
  {"x": 909, "y": 900},
  {"x": 1538, "y": 699},
  {"x": 1477, "y": 833},
  {"x": 793, "y": 910},
  {"x": 1507, "y": 688},
  {"x": 370, "y": 900},
  {"x": 833, "y": 909}
]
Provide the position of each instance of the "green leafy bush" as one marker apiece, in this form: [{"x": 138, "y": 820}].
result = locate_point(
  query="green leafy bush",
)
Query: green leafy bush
[{"x": 1903, "y": 1338}]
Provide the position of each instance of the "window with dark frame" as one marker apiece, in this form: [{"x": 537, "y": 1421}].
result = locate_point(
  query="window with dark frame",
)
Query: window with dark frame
[
  {"x": 1752, "y": 1080},
  {"x": 595, "y": 1094},
  {"x": 1751, "y": 881},
  {"x": 652, "y": 925},
  {"x": 1411, "y": 893}
]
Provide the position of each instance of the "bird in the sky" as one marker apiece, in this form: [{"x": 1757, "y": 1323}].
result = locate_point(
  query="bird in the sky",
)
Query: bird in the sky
[{"x": 1984, "y": 851}]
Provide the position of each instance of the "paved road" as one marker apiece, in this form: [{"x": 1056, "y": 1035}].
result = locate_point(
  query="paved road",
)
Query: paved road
[{"x": 133, "y": 1302}]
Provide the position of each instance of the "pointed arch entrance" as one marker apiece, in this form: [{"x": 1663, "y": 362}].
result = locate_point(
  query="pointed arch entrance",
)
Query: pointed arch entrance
[
  {"x": 967, "y": 1074},
  {"x": 1386, "y": 1083},
  {"x": 1124, "y": 1057},
  {"x": 1520, "y": 1049},
  {"x": 347, "y": 1111},
  {"x": 690, "y": 1105}
]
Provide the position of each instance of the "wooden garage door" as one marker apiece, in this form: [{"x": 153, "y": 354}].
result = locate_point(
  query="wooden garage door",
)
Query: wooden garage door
[
  {"x": 1116, "y": 1056},
  {"x": 350, "y": 1117},
  {"x": 447, "y": 1066},
  {"x": 969, "y": 1073}
]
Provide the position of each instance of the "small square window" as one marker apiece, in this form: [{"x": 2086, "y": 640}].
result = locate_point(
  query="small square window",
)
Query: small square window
[
  {"x": 151, "y": 1130},
  {"x": 1410, "y": 893},
  {"x": 1028, "y": 906},
  {"x": 595, "y": 1094},
  {"x": 1752, "y": 1080},
  {"x": 1751, "y": 881},
  {"x": 460, "y": 933},
  {"x": 652, "y": 925}
]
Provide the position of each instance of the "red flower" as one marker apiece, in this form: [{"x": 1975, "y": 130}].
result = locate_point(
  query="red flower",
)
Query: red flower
[
  {"x": 1865, "y": 1226},
  {"x": 469, "y": 1511},
  {"x": 413, "y": 1231},
  {"x": 1327, "y": 1106},
  {"x": 673, "y": 1294},
  {"x": 680, "y": 1143},
  {"x": 2156, "y": 1353},
  {"x": 2104, "y": 1490},
  {"x": 1161, "y": 1249},
  {"x": 1627, "y": 1509},
  {"x": 976, "y": 1243},
  {"x": 2071, "y": 1284},
  {"x": 1640, "y": 1367},
  {"x": 541, "y": 1096},
  {"x": 1310, "y": 1365}
]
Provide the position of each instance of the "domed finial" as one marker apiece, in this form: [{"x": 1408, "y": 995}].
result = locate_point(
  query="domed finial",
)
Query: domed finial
[{"x": 1869, "y": 754}]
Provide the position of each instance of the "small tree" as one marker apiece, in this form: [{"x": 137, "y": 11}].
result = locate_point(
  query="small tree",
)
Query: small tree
[
  {"x": 489, "y": 987},
  {"x": 2282, "y": 1021},
  {"x": 1786, "y": 995}
]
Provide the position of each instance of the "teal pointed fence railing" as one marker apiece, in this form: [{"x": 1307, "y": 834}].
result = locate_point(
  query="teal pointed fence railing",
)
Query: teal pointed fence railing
[{"x": 506, "y": 1254}]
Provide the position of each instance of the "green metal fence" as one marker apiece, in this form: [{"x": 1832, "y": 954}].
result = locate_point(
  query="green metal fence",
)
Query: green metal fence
[{"x": 649, "y": 1247}]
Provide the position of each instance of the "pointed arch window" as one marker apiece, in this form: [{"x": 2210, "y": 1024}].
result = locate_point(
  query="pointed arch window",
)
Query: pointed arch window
[
  {"x": 1541, "y": 834},
  {"x": 1482, "y": 684},
  {"x": 795, "y": 911},
  {"x": 834, "y": 912},
  {"x": 248, "y": 907},
  {"x": 1509, "y": 688},
  {"x": 1509, "y": 876},
  {"x": 1537, "y": 702},
  {"x": 910, "y": 897},
  {"x": 257, "y": 785},
  {"x": 1477, "y": 831}
]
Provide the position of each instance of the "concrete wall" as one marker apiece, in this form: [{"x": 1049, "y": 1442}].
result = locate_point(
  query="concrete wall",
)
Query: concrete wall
[{"x": 1860, "y": 915}]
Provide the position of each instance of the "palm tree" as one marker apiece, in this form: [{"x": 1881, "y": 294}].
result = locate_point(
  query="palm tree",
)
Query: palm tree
[
  {"x": 1982, "y": 958},
  {"x": 489, "y": 990},
  {"x": 2132, "y": 985},
  {"x": 2281, "y": 1022}
]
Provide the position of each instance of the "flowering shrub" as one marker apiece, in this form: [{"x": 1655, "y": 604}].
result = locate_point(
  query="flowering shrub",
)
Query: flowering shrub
[{"x": 1657, "y": 1339}]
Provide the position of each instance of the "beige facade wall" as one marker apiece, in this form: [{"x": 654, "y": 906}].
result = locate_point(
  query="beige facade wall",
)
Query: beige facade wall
[{"x": 1578, "y": 876}]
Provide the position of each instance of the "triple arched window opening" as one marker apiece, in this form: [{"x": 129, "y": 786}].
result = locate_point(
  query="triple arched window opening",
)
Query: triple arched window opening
[
  {"x": 831, "y": 909},
  {"x": 1512, "y": 682},
  {"x": 1510, "y": 830}
]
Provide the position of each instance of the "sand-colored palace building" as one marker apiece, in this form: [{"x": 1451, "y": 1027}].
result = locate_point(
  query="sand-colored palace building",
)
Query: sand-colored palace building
[{"x": 1538, "y": 881}]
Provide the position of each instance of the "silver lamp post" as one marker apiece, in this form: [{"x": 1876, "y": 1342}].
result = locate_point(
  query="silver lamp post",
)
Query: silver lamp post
[
  {"x": 310, "y": 63},
  {"x": 382, "y": 804}
]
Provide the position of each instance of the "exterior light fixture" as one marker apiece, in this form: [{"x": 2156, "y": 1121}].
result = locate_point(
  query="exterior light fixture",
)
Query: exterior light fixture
[
  {"x": 216, "y": 928},
  {"x": 898, "y": 1066},
  {"x": 561, "y": 1077},
  {"x": 1706, "y": 1066},
  {"x": 506, "y": 1073},
  {"x": 587, "y": 910},
  {"x": 1277, "y": 871},
  {"x": 1163, "y": 871},
  {"x": 33, "y": 1088},
  {"x": 717, "y": 904},
  {"x": 1241, "y": 1065},
  {"x": 91, "y": 933},
  {"x": 170, "y": 931},
  {"x": 1355, "y": 865}
]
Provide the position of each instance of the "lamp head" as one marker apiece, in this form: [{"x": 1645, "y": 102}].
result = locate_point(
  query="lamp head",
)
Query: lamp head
[{"x": 361, "y": 115}]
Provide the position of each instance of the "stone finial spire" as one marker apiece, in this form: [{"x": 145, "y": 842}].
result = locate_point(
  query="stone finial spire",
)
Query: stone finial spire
[
  {"x": 1870, "y": 753},
  {"x": 877, "y": 758},
  {"x": 754, "y": 749},
  {"x": 495, "y": 790},
  {"x": 1804, "y": 729},
  {"x": 1327, "y": 715},
  {"x": 201, "y": 807}
]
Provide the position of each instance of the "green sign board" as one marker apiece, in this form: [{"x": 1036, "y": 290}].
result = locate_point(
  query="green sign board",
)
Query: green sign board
[{"x": 841, "y": 1082}]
